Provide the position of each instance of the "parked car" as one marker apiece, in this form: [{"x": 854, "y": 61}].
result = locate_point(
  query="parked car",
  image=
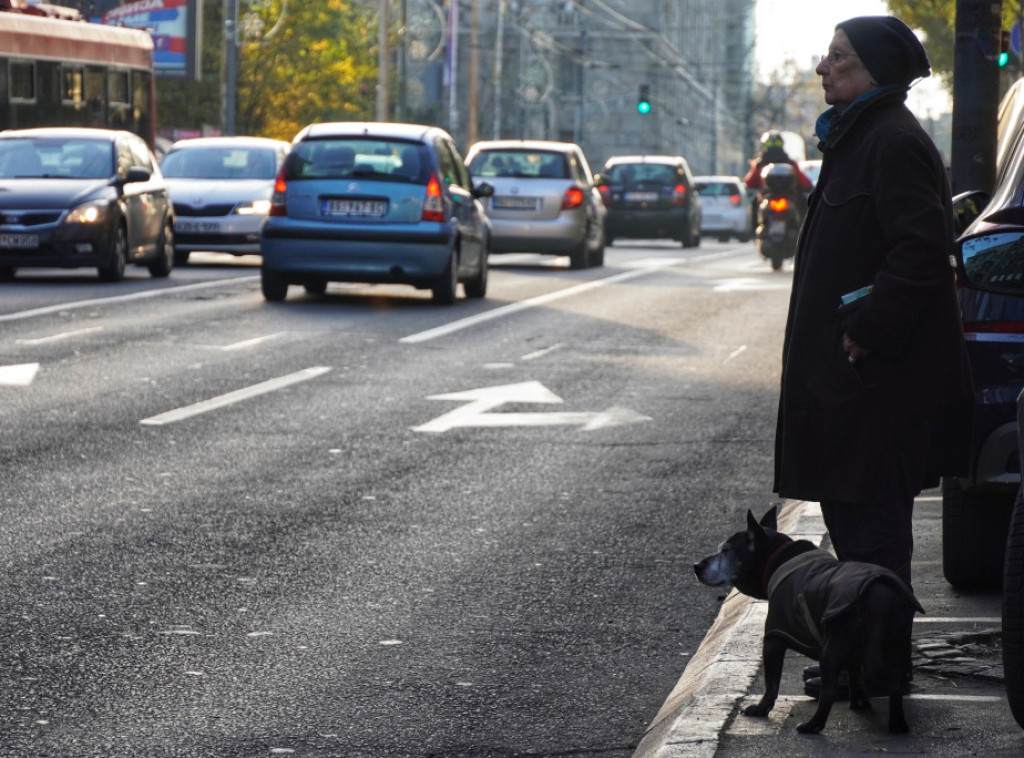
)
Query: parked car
[
  {"x": 377, "y": 203},
  {"x": 976, "y": 509},
  {"x": 75, "y": 197},
  {"x": 651, "y": 197},
  {"x": 725, "y": 210},
  {"x": 544, "y": 201},
  {"x": 221, "y": 188}
]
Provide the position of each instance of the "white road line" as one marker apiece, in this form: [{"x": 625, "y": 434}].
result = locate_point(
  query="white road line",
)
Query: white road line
[
  {"x": 58, "y": 337},
  {"x": 48, "y": 309},
  {"x": 736, "y": 352},
  {"x": 253, "y": 342},
  {"x": 957, "y": 620},
  {"x": 234, "y": 397},
  {"x": 638, "y": 268}
]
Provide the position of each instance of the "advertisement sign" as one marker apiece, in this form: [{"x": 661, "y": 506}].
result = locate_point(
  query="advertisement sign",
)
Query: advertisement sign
[{"x": 175, "y": 27}]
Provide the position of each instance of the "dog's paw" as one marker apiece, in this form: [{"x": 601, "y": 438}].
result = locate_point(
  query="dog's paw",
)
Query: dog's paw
[{"x": 760, "y": 710}]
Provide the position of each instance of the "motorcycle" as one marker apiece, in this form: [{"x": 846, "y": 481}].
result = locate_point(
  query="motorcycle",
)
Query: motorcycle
[{"x": 780, "y": 213}]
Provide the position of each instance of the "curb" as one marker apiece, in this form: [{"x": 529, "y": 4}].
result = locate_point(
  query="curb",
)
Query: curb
[{"x": 725, "y": 667}]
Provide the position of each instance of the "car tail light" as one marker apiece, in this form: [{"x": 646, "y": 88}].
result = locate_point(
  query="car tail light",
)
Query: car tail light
[
  {"x": 679, "y": 194},
  {"x": 778, "y": 204},
  {"x": 278, "y": 205},
  {"x": 433, "y": 203},
  {"x": 994, "y": 327},
  {"x": 606, "y": 194},
  {"x": 734, "y": 199},
  {"x": 573, "y": 198}
]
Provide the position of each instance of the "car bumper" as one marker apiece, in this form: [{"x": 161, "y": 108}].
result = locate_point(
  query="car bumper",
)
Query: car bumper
[
  {"x": 238, "y": 235},
  {"x": 721, "y": 222},
  {"x": 52, "y": 248},
  {"x": 401, "y": 256},
  {"x": 673, "y": 223},
  {"x": 557, "y": 236}
]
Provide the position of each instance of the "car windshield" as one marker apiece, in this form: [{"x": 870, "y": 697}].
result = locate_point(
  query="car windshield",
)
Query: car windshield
[
  {"x": 520, "y": 163},
  {"x": 220, "y": 163},
  {"x": 640, "y": 173},
  {"x": 376, "y": 159},
  {"x": 53, "y": 158}
]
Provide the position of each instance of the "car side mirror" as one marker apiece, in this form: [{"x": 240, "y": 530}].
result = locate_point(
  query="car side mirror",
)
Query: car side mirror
[
  {"x": 138, "y": 174},
  {"x": 483, "y": 189},
  {"x": 967, "y": 206},
  {"x": 993, "y": 261}
]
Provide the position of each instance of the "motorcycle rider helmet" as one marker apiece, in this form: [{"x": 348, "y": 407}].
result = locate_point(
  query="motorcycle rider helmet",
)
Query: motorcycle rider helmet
[{"x": 771, "y": 139}]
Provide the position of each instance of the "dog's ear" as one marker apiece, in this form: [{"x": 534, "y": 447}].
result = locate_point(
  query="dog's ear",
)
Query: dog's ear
[
  {"x": 754, "y": 529},
  {"x": 770, "y": 520}
]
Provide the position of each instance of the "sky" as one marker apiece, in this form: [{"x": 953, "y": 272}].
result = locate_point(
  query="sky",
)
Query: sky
[{"x": 801, "y": 30}]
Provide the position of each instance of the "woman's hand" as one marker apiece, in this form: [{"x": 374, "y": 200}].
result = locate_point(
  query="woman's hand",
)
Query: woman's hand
[{"x": 853, "y": 350}]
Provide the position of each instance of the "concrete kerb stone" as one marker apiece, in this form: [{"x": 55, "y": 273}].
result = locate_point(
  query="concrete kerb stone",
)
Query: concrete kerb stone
[{"x": 725, "y": 667}]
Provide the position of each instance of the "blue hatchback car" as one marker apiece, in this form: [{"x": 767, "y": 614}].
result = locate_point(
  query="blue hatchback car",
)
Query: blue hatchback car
[{"x": 375, "y": 203}]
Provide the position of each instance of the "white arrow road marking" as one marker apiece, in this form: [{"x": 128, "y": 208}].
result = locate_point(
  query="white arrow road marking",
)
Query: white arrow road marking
[
  {"x": 480, "y": 401},
  {"x": 745, "y": 284},
  {"x": 18, "y": 376},
  {"x": 234, "y": 397}
]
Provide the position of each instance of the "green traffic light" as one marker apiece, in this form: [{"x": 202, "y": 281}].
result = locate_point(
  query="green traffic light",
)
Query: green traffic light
[
  {"x": 643, "y": 107},
  {"x": 1004, "y": 57}
]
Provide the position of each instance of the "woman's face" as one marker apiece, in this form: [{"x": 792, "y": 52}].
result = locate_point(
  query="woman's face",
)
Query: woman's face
[{"x": 846, "y": 79}]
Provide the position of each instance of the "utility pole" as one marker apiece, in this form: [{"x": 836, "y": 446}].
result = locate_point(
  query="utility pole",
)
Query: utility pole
[
  {"x": 975, "y": 94},
  {"x": 382, "y": 63},
  {"x": 474, "y": 68},
  {"x": 230, "y": 95}
]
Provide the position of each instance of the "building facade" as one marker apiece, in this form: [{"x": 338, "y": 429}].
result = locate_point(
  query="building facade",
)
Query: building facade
[{"x": 574, "y": 70}]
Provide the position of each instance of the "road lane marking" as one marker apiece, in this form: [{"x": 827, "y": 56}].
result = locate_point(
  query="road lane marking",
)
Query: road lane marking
[
  {"x": 173, "y": 290},
  {"x": 637, "y": 268},
  {"x": 234, "y": 397},
  {"x": 253, "y": 342},
  {"x": 479, "y": 402},
  {"x": 20, "y": 375},
  {"x": 58, "y": 337}
]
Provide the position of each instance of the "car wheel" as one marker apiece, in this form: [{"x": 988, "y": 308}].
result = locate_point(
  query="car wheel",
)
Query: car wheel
[
  {"x": 444, "y": 288},
  {"x": 274, "y": 286},
  {"x": 1013, "y": 612},
  {"x": 974, "y": 529},
  {"x": 580, "y": 255},
  {"x": 7, "y": 273},
  {"x": 113, "y": 271},
  {"x": 164, "y": 261},
  {"x": 477, "y": 286},
  {"x": 692, "y": 237},
  {"x": 317, "y": 287},
  {"x": 181, "y": 257}
]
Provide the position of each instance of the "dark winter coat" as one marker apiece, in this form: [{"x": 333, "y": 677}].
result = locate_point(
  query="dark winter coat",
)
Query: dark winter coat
[
  {"x": 812, "y": 588},
  {"x": 880, "y": 216}
]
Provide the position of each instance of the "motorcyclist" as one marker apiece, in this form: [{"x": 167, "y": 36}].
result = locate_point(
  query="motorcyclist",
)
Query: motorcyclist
[{"x": 772, "y": 151}]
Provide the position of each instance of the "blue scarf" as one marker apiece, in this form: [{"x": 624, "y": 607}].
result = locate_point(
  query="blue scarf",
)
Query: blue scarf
[{"x": 832, "y": 118}]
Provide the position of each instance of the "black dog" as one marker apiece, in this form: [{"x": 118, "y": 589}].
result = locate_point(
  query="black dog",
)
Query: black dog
[{"x": 850, "y": 615}]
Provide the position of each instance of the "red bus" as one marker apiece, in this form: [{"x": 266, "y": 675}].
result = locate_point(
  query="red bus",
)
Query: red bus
[{"x": 55, "y": 72}]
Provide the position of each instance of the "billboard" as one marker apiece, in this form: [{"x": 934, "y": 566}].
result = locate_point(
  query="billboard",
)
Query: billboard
[{"x": 176, "y": 27}]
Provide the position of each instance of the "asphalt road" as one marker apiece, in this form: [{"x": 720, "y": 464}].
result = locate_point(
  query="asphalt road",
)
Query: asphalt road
[{"x": 363, "y": 525}]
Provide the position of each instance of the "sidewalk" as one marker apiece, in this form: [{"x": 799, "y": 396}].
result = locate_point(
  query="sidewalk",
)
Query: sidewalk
[{"x": 957, "y": 703}]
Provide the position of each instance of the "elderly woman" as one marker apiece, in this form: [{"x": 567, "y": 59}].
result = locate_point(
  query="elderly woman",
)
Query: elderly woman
[{"x": 876, "y": 390}]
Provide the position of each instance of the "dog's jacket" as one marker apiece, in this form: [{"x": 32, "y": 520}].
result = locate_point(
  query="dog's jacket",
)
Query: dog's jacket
[{"x": 807, "y": 587}]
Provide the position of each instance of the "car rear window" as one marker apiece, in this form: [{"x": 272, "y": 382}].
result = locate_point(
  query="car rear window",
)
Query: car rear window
[
  {"x": 718, "y": 189},
  {"x": 220, "y": 163},
  {"x": 636, "y": 173},
  {"x": 376, "y": 159},
  {"x": 520, "y": 163}
]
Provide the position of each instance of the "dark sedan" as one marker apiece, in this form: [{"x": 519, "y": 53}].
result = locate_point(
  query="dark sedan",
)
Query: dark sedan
[{"x": 73, "y": 198}]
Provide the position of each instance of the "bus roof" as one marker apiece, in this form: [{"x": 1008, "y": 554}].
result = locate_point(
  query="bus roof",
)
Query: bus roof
[{"x": 36, "y": 37}]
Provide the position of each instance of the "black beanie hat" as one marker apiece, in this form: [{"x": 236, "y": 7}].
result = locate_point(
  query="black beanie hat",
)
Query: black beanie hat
[{"x": 887, "y": 47}]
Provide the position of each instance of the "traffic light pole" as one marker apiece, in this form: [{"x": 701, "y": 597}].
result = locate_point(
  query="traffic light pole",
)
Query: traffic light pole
[{"x": 975, "y": 94}]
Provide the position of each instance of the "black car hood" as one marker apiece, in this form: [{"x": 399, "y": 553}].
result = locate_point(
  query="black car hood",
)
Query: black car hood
[{"x": 40, "y": 194}]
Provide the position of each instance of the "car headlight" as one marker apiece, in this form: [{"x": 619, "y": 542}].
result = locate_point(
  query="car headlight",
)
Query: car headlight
[
  {"x": 255, "y": 208},
  {"x": 91, "y": 213}
]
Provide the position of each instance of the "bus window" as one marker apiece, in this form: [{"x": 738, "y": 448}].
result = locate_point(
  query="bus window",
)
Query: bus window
[
  {"x": 73, "y": 90},
  {"x": 23, "y": 81}
]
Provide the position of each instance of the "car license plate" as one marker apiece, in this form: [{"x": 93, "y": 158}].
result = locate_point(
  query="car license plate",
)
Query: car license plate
[
  {"x": 354, "y": 208},
  {"x": 640, "y": 197},
  {"x": 20, "y": 241},
  {"x": 196, "y": 227},
  {"x": 515, "y": 203}
]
